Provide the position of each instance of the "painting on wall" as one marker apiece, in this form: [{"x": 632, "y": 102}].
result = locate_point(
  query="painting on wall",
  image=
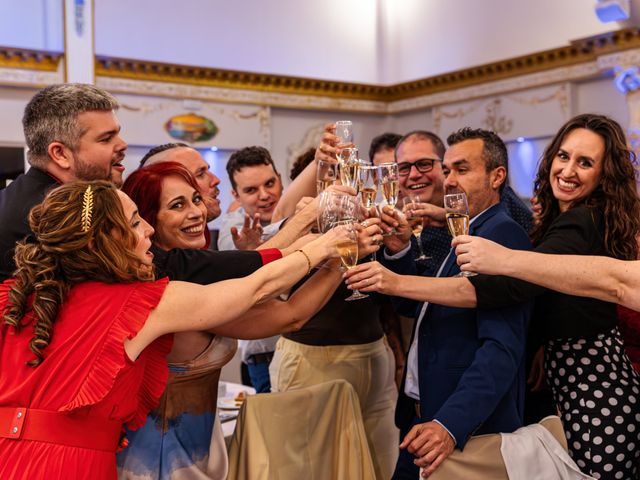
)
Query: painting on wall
[{"x": 191, "y": 128}]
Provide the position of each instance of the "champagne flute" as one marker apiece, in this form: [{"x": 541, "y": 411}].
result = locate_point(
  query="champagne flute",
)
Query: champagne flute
[
  {"x": 415, "y": 222},
  {"x": 326, "y": 175},
  {"x": 348, "y": 252},
  {"x": 334, "y": 207},
  {"x": 344, "y": 130},
  {"x": 348, "y": 208},
  {"x": 457, "y": 214},
  {"x": 347, "y": 154},
  {"x": 369, "y": 179},
  {"x": 349, "y": 173},
  {"x": 390, "y": 185}
]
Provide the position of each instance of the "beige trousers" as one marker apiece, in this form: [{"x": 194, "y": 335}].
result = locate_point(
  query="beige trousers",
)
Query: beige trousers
[{"x": 369, "y": 368}]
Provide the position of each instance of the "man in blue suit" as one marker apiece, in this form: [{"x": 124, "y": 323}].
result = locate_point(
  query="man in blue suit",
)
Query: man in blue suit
[{"x": 465, "y": 367}]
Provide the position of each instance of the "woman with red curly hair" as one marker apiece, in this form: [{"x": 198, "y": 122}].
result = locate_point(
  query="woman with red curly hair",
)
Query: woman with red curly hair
[
  {"x": 183, "y": 437},
  {"x": 85, "y": 329}
]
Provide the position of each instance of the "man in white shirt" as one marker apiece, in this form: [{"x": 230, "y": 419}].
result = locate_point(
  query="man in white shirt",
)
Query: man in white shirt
[{"x": 257, "y": 187}]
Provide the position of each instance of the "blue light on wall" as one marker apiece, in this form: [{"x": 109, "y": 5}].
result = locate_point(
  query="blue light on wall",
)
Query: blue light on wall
[{"x": 524, "y": 155}]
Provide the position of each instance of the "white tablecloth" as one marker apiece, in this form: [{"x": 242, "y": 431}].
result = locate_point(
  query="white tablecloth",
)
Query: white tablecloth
[{"x": 231, "y": 389}]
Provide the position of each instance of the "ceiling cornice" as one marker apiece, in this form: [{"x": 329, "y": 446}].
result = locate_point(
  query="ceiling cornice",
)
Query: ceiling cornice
[
  {"x": 29, "y": 59},
  {"x": 579, "y": 52}
]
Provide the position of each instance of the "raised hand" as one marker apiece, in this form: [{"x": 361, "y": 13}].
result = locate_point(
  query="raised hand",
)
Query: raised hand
[
  {"x": 369, "y": 237},
  {"x": 250, "y": 237},
  {"x": 432, "y": 215},
  {"x": 393, "y": 219},
  {"x": 327, "y": 150}
]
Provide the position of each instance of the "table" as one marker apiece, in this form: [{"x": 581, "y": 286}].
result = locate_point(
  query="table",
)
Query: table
[{"x": 231, "y": 389}]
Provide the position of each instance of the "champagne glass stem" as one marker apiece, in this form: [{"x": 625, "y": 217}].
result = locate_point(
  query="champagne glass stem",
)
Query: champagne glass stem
[{"x": 420, "y": 249}]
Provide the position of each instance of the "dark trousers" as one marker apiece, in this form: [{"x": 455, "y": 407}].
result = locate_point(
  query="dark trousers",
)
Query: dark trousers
[
  {"x": 405, "y": 468},
  {"x": 259, "y": 374}
]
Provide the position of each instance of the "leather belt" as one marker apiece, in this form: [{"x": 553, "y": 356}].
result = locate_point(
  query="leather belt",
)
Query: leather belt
[
  {"x": 19, "y": 423},
  {"x": 260, "y": 358}
]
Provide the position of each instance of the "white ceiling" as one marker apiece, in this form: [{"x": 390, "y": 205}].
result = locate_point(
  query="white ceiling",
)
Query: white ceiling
[{"x": 366, "y": 41}]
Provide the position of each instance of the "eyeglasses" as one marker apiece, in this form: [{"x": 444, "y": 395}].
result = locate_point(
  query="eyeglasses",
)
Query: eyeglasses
[{"x": 423, "y": 165}]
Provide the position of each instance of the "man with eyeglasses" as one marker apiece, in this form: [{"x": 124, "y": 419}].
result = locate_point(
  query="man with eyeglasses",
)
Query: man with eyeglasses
[
  {"x": 451, "y": 388},
  {"x": 419, "y": 155}
]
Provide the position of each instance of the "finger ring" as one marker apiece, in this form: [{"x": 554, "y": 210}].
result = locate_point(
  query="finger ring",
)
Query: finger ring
[{"x": 365, "y": 224}]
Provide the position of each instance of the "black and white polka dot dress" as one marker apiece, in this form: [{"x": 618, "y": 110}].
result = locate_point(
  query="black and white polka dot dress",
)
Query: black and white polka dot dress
[{"x": 598, "y": 394}]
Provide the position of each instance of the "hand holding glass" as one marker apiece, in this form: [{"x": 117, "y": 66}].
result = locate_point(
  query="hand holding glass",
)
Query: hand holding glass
[
  {"x": 390, "y": 185},
  {"x": 415, "y": 222},
  {"x": 457, "y": 214},
  {"x": 348, "y": 252}
]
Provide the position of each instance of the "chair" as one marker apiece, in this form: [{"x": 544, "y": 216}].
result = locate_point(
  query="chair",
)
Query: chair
[
  {"x": 482, "y": 457},
  {"x": 315, "y": 433}
]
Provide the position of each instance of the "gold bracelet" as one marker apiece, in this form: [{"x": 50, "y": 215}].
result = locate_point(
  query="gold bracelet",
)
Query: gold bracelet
[{"x": 308, "y": 260}]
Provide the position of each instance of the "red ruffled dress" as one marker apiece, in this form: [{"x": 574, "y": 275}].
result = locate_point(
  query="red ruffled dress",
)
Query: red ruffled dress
[{"x": 85, "y": 373}]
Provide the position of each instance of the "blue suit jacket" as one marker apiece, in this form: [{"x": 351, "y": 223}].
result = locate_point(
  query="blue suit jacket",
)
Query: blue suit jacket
[{"x": 471, "y": 361}]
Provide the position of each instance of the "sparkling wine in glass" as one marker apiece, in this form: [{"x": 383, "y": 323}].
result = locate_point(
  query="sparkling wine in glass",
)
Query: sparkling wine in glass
[
  {"x": 389, "y": 181},
  {"x": 348, "y": 252},
  {"x": 368, "y": 185},
  {"x": 350, "y": 173},
  {"x": 457, "y": 214},
  {"x": 415, "y": 222},
  {"x": 326, "y": 175}
]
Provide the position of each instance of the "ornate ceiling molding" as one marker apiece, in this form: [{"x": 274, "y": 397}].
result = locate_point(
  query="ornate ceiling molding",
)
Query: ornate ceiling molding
[
  {"x": 583, "y": 59},
  {"x": 236, "y": 95},
  {"x": 232, "y": 79},
  {"x": 29, "y": 59},
  {"x": 549, "y": 77}
]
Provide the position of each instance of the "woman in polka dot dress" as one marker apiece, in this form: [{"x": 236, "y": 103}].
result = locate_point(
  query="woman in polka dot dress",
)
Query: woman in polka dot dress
[{"x": 587, "y": 192}]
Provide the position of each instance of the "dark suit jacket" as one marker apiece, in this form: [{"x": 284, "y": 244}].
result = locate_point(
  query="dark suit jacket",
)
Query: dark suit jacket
[
  {"x": 471, "y": 361},
  {"x": 198, "y": 266},
  {"x": 16, "y": 201}
]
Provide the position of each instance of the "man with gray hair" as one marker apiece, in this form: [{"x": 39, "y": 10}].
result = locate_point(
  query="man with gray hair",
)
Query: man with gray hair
[
  {"x": 72, "y": 133},
  {"x": 193, "y": 161}
]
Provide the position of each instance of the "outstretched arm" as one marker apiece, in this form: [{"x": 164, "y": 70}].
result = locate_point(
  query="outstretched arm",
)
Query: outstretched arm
[
  {"x": 277, "y": 316},
  {"x": 299, "y": 224},
  {"x": 186, "y": 306},
  {"x": 450, "y": 291},
  {"x": 604, "y": 278}
]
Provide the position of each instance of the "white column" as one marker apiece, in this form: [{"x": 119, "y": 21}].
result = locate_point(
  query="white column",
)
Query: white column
[{"x": 79, "y": 41}]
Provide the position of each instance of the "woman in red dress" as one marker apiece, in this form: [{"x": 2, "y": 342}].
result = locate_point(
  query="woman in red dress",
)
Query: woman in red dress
[{"x": 85, "y": 330}]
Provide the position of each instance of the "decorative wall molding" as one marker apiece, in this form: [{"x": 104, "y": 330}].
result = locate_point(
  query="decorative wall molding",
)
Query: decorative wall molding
[
  {"x": 29, "y": 59},
  {"x": 310, "y": 139},
  {"x": 225, "y": 79},
  {"x": 234, "y": 95},
  {"x": 19, "y": 77},
  {"x": 583, "y": 59},
  {"x": 531, "y": 113},
  {"x": 559, "y": 75}
]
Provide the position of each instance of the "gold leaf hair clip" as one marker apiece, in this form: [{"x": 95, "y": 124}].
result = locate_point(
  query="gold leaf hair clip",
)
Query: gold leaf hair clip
[{"x": 87, "y": 209}]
